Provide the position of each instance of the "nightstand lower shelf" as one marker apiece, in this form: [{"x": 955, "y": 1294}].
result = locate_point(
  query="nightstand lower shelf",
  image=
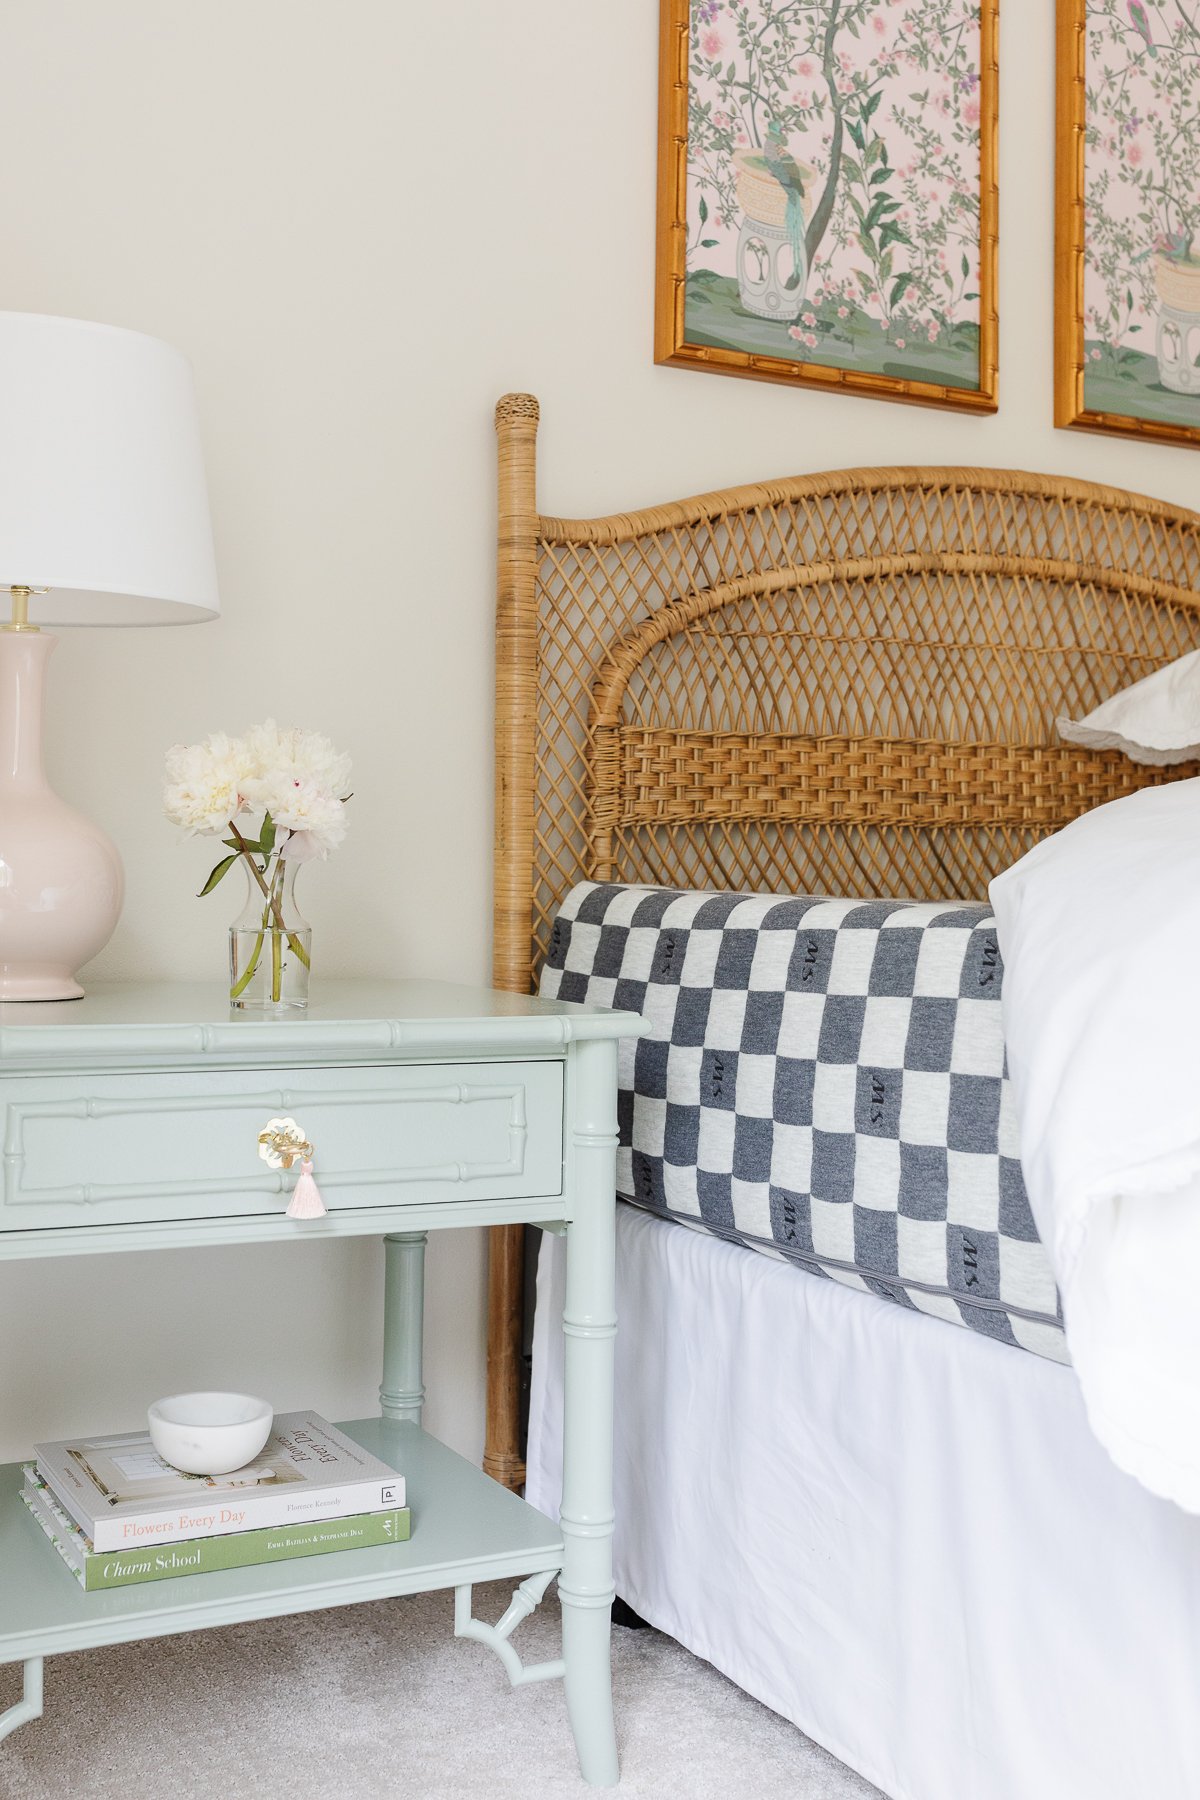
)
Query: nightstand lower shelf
[{"x": 466, "y": 1529}]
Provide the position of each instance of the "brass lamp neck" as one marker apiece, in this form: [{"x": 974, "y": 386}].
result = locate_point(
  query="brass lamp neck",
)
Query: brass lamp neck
[{"x": 20, "y": 608}]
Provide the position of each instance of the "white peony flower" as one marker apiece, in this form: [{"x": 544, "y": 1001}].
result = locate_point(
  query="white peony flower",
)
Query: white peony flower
[
  {"x": 314, "y": 818},
  {"x": 302, "y": 781},
  {"x": 290, "y": 754},
  {"x": 205, "y": 783}
]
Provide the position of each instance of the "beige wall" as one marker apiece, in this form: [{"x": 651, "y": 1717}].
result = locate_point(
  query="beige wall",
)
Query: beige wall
[{"x": 363, "y": 222}]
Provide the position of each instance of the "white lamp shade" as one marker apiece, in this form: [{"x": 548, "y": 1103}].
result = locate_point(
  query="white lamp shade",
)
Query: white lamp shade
[
  {"x": 102, "y": 492},
  {"x": 1157, "y": 720}
]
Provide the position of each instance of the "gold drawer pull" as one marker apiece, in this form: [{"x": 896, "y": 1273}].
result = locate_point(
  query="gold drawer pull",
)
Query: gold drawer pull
[{"x": 282, "y": 1142}]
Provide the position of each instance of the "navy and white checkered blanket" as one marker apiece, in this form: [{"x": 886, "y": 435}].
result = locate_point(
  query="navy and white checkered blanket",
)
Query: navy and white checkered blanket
[{"x": 823, "y": 1080}]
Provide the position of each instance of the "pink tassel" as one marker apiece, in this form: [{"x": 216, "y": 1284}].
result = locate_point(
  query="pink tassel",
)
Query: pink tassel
[{"x": 306, "y": 1199}]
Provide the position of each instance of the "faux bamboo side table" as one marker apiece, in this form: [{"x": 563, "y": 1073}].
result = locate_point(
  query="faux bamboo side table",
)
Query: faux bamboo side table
[{"x": 429, "y": 1106}]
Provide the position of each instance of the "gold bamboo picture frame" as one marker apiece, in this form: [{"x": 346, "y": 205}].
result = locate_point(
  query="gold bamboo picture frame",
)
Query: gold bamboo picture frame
[
  {"x": 1127, "y": 219},
  {"x": 827, "y": 197}
]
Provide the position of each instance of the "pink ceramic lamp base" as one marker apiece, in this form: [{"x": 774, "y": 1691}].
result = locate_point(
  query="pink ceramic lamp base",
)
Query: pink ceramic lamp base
[
  {"x": 38, "y": 984},
  {"x": 61, "y": 882}
]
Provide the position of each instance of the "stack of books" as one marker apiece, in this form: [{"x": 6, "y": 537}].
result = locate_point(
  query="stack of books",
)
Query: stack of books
[{"x": 118, "y": 1514}]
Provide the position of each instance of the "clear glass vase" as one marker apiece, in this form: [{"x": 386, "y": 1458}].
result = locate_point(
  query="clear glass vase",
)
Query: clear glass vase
[{"x": 270, "y": 944}]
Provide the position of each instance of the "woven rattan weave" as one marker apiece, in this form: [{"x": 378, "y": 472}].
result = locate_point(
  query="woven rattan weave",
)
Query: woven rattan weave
[{"x": 842, "y": 683}]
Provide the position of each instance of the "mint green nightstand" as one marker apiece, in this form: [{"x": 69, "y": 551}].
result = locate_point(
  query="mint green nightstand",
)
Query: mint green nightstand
[{"x": 131, "y": 1121}]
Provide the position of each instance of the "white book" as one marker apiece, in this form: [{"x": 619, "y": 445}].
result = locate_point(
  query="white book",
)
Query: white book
[
  {"x": 121, "y": 1493},
  {"x": 66, "y": 1537}
]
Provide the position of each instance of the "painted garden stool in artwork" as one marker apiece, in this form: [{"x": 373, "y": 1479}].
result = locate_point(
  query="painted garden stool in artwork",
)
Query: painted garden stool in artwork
[
  {"x": 1178, "y": 341},
  {"x": 771, "y": 281}
]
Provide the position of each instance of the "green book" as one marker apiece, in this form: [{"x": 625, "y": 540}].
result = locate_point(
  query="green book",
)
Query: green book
[{"x": 98, "y": 1569}]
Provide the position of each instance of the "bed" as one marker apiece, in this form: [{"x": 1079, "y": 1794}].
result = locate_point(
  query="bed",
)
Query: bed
[{"x": 902, "y": 1537}]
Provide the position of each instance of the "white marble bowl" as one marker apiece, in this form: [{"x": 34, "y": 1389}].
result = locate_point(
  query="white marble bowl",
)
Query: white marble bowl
[{"x": 209, "y": 1434}]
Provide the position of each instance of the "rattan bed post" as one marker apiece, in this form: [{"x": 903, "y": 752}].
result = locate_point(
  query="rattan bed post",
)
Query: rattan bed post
[{"x": 512, "y": 877}]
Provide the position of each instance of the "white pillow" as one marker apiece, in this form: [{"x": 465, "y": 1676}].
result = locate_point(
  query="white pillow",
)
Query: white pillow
[
  {"x": 1098, "y": 927},
  {"x": 1157, "y": 720}
]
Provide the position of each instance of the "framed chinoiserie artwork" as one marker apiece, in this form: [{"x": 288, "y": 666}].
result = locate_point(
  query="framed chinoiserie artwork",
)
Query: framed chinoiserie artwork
[
  {"x": 1127, "y": 332},
  {"x": 827, "y": 195}
]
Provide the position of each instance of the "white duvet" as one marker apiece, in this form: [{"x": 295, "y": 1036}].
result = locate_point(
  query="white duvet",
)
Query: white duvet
[{"x": 1099, "y": 928}]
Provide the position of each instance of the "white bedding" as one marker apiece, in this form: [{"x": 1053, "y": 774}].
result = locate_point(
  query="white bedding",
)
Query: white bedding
[
  {"x": 904, "y": 1538},
  {"x": 1099, "y": 927}
]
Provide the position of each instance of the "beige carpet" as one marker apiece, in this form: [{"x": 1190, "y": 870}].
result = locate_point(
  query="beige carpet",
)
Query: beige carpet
[{"x": 380, "y": 1702}]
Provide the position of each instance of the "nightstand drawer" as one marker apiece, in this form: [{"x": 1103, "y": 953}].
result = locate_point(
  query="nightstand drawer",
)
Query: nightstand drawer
[{"x": 124, "y": 1149}]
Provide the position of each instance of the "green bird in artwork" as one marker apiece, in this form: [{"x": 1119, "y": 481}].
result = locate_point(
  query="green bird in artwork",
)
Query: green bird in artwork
[
  {"x": 786, "y": 171},
  {"x": 1141, "y": 24}
]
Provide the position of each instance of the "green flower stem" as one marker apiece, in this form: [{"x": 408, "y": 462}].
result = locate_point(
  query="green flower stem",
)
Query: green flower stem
[
  {"x": 297, "y": 949},
  {"x": 247, "y": 974},
  {"x": 274, "y": 905},
  {"x": 270, "y": 895}
]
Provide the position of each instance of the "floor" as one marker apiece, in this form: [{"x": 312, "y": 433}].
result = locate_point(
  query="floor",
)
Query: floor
[{"x": 380, "y": 1702}]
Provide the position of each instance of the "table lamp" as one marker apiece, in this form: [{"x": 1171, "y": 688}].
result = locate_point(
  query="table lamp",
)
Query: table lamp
[{"x": 103, "y": 521}]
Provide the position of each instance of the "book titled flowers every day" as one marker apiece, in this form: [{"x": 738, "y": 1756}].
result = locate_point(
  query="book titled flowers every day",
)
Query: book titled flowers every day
[{"x": 121, "y": 1493}]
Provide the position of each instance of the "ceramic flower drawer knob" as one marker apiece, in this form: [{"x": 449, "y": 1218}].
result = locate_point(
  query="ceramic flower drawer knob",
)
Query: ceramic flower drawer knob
[{"x": 282, "y": 1142}]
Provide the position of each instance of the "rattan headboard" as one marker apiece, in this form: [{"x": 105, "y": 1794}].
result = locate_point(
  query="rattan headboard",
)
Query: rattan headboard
[
  {"x": 840, "y": 683},
  {"x": 837, "y": 683}
]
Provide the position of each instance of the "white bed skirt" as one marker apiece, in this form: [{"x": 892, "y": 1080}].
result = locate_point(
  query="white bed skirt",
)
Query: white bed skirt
[{"x": 898, "y": 1534}]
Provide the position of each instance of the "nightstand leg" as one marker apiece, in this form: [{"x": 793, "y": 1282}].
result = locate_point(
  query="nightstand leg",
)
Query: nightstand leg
[
  {"x": 402, "y": 1394},
  {"x": 585, "y": 1586},
  {"x": 29, "y": 1706}
]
